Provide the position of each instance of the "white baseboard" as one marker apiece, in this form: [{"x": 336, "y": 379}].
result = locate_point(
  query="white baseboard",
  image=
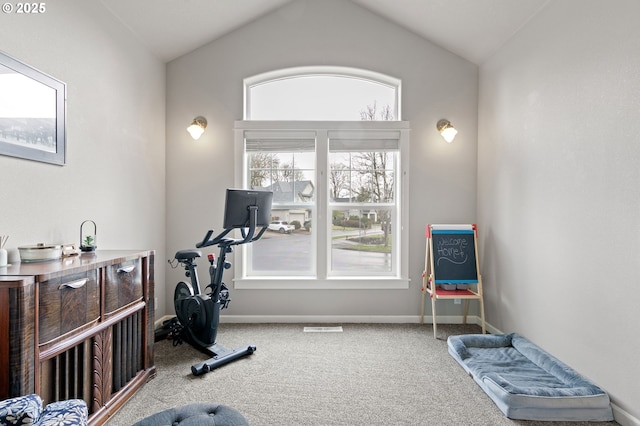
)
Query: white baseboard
[
  {"x": 624, "y": 418},
  {"x": 322, "y": 319},
  {"x": 353, "y": 319},
  {"x": 334, "y": 319}
]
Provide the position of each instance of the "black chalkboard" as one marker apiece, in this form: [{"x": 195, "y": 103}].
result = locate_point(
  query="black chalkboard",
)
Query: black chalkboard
[{"x": 454, "y": 256}]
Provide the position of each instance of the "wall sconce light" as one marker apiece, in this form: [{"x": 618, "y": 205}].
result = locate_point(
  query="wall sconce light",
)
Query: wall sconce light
[
  {"x": 196, "y": 129},
  {"x": 447, "y": 130}
]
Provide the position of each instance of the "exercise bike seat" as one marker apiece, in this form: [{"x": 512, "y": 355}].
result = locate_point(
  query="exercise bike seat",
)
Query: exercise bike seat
[{"x": 188, "y": 254}]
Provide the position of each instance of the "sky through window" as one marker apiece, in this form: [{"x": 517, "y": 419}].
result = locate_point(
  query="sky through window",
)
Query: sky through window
[{"x": 327, "y": 97}]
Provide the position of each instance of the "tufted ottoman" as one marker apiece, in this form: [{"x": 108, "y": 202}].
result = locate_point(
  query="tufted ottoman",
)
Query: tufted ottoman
[{"x": 201, "y": 414}]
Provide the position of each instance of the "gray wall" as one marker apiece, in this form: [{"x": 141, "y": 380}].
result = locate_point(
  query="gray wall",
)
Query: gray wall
[
  {"x": 115, "y": 135},
  {"x": 208, "y": 81},
  {"x": 558, "y": 189}
]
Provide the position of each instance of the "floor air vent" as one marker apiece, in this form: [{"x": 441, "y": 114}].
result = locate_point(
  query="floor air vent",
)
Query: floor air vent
[{"x": 323, "y": 329}]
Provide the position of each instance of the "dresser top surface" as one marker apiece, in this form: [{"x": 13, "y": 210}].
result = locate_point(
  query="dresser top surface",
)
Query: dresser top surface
[{"x": 72, "y": 264}]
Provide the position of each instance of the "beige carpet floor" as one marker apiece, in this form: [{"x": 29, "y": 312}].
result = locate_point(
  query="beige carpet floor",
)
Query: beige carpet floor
[{"x": 369, "y": 374}]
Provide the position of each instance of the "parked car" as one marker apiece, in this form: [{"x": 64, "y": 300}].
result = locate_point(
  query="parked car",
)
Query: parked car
[{"x": 281, "y": 226}]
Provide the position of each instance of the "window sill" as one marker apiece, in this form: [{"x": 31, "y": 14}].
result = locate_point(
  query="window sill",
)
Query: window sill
[{"x": 297, "y": 283}]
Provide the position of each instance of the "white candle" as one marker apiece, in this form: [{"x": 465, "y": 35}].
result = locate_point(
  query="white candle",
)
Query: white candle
[{"x": 3, "y": 257}]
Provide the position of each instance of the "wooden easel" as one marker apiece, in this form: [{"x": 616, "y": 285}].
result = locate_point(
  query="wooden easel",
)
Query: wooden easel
[{"x": 459, "y": 268}]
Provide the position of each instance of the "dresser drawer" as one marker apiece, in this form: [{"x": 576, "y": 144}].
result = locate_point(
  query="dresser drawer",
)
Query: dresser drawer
[
  {"x": 123, "y": 285},
  {"x": 67, "y": 303}
]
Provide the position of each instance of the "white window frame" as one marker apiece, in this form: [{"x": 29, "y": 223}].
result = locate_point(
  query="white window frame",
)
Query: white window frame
[{"x": 323, "y": 279}]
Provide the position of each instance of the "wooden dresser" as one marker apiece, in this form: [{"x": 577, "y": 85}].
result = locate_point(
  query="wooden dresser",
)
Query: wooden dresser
[{"x": 80, "y": 327}]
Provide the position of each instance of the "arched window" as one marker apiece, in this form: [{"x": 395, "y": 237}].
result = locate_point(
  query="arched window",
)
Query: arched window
[
  {"x": 322, "y": 93},
  {"x": 329, "y": 143}
]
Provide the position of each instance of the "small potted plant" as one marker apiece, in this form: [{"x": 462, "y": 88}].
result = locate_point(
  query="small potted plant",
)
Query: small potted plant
[
  {"x": 88, "y": 243},
  {"x": 87, "y": 239}
]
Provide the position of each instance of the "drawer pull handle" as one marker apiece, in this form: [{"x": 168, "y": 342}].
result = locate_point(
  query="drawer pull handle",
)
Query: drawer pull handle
[
  {"x": 126, "y": 269},
  {"x": 73, "y": 284}
]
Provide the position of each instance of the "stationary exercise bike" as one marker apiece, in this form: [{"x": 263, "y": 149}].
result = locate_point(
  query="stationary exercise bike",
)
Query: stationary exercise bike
[{"x": 197, "y": 312}]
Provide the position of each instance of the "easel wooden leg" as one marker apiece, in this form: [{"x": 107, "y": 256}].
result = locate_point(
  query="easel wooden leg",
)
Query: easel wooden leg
[
  {"x": 422, "y": 308},
  {"x": 484, "y": 330},
  {"x": 466, "y": 311},
  {"x": 433, "y": 315}
]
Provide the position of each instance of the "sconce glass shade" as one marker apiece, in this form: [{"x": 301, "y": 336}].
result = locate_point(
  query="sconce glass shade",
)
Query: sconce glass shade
[
  {"x": 196, "y": 129},
  {"x": 447, "y": 130}
]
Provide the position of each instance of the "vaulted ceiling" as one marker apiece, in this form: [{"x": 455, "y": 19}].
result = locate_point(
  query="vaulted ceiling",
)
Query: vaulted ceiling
[{"x": 472, "y": 29}]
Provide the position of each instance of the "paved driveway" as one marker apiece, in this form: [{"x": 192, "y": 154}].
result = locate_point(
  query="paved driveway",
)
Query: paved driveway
[{"x": 292, "y": 252}]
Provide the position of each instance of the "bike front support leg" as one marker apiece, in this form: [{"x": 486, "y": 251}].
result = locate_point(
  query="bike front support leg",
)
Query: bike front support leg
[{"x": 220, "y": 357}]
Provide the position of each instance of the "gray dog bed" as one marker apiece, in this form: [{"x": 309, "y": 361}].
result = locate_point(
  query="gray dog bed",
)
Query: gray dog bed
[
  {"x": 201, "y": 414},
  {"x": 527, "y": 383}
]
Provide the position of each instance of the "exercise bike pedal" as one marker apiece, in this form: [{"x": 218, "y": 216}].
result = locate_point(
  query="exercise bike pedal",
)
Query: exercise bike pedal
[{"x": 219, "y": 357}]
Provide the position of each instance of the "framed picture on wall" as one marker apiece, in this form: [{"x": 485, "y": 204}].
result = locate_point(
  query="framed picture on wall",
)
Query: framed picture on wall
[{"x": 32, "y": 113}]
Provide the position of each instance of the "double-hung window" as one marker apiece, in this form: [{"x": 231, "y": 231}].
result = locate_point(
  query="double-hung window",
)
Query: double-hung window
[{"x": 339, "y": 206}]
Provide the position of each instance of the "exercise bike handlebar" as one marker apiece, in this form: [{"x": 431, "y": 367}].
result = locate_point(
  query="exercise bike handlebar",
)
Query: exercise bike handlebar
[{"x": 247, "y": 236}]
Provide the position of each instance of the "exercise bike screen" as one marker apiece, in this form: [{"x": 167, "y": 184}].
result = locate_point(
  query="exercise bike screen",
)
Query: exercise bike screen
[{"x": 238, "y": 201}]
